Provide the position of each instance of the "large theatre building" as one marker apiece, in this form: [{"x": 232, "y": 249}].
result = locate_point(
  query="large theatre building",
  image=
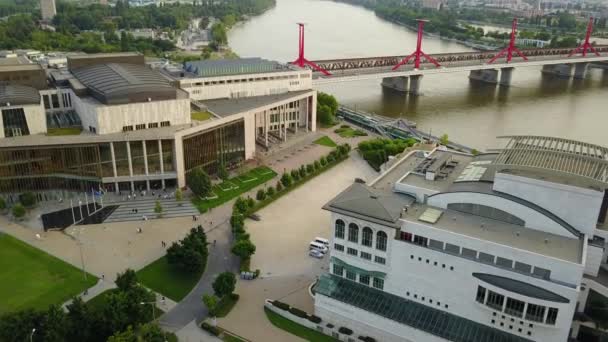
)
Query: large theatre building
[{"x": 136, "y": 128}]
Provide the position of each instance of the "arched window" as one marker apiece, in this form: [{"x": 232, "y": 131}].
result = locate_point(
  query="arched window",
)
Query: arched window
[
  {"x": 353, "y": 233},
  {"x": 381, "y": 241},
  {"x": 367, "y": 237},
  {"x": 340, "y": 229}
]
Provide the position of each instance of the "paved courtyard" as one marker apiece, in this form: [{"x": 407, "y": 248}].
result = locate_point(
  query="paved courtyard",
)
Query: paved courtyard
[{"x": 282, "y": 238}]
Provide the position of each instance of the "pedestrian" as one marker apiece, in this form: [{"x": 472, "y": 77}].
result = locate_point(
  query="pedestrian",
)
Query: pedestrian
[
  {"x": 152, "y": 193},
  {"x": 193, "y": 218},
  {"x": 136, "y": 210},
  {"x": 103, "y": 277},
  {"x": 214, "y": 242},
  {"x": 129, "y": 197}
]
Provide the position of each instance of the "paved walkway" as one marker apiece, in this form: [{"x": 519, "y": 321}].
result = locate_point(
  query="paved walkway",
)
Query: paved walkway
[{"x": 192, "y": 333}]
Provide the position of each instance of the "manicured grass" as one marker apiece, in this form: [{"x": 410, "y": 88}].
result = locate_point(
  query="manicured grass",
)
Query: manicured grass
[
  {"x": 159, "y": 276},
  {"x": 230, "y": 338},
  {"x": 31, "y": 278},
  {"x": 225, "y": 305},
  {"x": 296, "y": 329},
  {"x": 200, "y": 116},
  {"x": 346, "y": 131},
  {"x": 64, "y": 131},
  {"x": 234, "y": 187},
  {"x": 325, "y": 141}
]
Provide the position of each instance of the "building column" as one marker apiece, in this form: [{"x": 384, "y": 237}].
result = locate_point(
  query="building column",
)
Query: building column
[
  {"x": 296, "y": 112},
  {"x": 580, "y": 70},
  {"x": 484, "y": 75},
  {"x": 266, "y": 117},
  {"x": 116, "y": 190},
  {"x": 506, "y": 74},
  {"x": 306, "y": 114},
  {"x": 130, "y": 164},
  {"x": 313, "y": 112},
  {"x": 396, "y": 83},
  {"x": 285, "y": 123},
  {"x": 143, "y": 143},
  {"x": 415, "y": 81}
]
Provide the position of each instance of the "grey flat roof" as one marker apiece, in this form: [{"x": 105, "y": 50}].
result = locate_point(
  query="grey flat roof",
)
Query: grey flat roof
[
  {"x": 227, "y": 107},
  {"x": 18, "y": 95},
  {"x": 224, "y": 67},
  {"x": 520, "y": 287},
  {"x": 20, "y": 67},
  {"x": 114, "y": 83},
  {"x": 438, "y": 184},
  {"x": 102, "y": 55},
  {"x": 559, "y": 247}
]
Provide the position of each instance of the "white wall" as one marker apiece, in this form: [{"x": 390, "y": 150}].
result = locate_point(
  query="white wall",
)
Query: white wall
[
  {"x": 246, "y": 85},
  {"x": 534, "y": 219},
  {"x": 34, "y": 116},
  {"x": 578, "y": 206},
  {"x": 593, "y": 260}
]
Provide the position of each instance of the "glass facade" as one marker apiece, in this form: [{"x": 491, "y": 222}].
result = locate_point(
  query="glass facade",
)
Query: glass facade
[
  {"x": 222, "y": 144},
  {"x": 15, "y": 123},
  {"x": 137, "y": 157},
  {"x": 167, "y": 148},
  {"x": 153, "y": 156}
]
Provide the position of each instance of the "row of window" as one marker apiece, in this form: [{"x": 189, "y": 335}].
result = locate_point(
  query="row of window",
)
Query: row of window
[
  {"x": 363, "y": 278},
  {"x": 367, "y": 235},
  {"x": 520, "y": 330},
  {"x": 143, "y": 126},
  {"x": 475, "y": 255},
  {"x": 243, "y": 80},
  {"x": 430, "y": 300},
  {"x": 516, "y": 308},
  {"x": 434, "y": 262},
  {"x": 364, "y": 255}
]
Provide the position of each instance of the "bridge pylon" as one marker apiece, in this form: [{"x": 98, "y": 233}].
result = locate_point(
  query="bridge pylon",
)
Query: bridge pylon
[
  {"x": 302, "y": 61},
  {"x": 418, "y": 53},
  {"x": 511, "y": 47},
  {"x": 586, "y": 46}
]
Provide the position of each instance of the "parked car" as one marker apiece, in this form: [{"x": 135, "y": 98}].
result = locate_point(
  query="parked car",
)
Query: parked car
[
  {"x": 322, "y": 241},
  {"x": 318, "y": 247},
  {"x": 316, "y": 254}
]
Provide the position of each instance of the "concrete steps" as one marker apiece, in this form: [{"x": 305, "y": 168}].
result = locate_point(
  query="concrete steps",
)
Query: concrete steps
[{"x": 145, "y": 207}]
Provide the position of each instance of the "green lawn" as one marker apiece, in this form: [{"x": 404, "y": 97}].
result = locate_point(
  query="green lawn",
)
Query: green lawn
[
  {"x": 31, "y": 278},
  {"x": 164, "y": 279},
  {"x": 296, "y": 329},
  {"x": 64, "y": 131},
  {"x": 325, "y": 141},
  {"x": 346, "y": 131},
  {"x": 225, "y": 305},
  {"x": 234, "y": 187},
  {"x": 200, "y": 116},
  {"x": 230, "y": 338}
]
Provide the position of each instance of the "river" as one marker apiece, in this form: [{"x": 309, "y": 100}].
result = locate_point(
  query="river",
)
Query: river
[{"x": 469, "y": 112}]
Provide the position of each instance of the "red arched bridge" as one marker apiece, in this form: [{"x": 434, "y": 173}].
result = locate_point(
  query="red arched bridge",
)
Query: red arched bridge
[{"x": 404, "y": 72}]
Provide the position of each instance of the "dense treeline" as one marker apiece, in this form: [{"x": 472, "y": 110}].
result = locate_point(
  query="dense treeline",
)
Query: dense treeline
[{"x": 94, "y": 28}]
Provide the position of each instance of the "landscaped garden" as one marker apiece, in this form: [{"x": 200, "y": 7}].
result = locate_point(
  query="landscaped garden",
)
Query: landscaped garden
[
  {"x": 345, "y": 131},
  {"x": 233, "y": 187},
  {"x": 296, "y": 329},
  {"x": 64, "y": 131},
  {"x": 325, "y": 141},
  {"x": 31, "y": 278}
]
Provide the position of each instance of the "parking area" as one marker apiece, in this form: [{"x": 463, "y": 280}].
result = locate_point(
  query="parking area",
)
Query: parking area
[{"x": 282, "y": 238}]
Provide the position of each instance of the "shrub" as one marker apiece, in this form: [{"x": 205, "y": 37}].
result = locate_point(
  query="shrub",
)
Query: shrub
[
  {"x": 317, "y": 165},
  {"x": 243, "y": 248},
  {"x": 281, "y": 305},
  {"x": 224, "y": 284},
  {"x": 302, "y": 171},
  {"x": 28, "y": 199},
  {"x": 286, "y": 180},
  {"x": 329, "y": 325},
  {"x": 295, "y": 175},
  {"x": 261, "y": 195},
  {"x": 310, "y": 168},
  {"x": 240, "y": 206},
  {"x": 179, "y": 196},
  {"x": 298, "y": 312},
  {"x": 344, "y": 126},
  {"x": 279, "y": 186},
  {"x": 199, "y": 182},
  {"x": 210, "y": 328},
  {"x": 323, "y": 161},
  {"x": 314, "y": 319},
  {"x": 367, "y": 339},
  {"x": 330, "y": 158},
  {"x": 250, "y": 202},
  {"x": 222, "y": 172},
  {"x": 18, "y": 210},
  {"x": 158, "y": 208},
  {"x": 345, "y": 331},
  {"x": 270, "y": 191}
]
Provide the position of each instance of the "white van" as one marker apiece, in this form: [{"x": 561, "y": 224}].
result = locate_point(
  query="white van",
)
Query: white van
[
  {"x": 317, "y": 246},
  {"x": 322, "y": 241}
]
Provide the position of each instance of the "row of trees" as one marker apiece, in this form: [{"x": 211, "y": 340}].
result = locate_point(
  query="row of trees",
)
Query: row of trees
[
  {"x": 377, "y": 151},
  {"x": 327, "y": 107},
  {"x": 223, "y": 288},
  {"x": 121, "y": 316}
]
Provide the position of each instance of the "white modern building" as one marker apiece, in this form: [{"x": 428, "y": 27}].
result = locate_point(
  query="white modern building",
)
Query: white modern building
[{"x": 451, "y": 247}]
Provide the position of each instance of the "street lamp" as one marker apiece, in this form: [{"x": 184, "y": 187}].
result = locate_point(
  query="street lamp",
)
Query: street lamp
[
  {"x": 32, "y": 334},
  {"x": 81, "y": 255}
]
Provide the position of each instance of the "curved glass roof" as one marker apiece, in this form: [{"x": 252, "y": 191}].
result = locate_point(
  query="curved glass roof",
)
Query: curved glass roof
[{"x": 520, "y": 287}]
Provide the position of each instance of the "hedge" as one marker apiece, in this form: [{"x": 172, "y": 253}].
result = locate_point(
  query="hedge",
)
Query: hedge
[
  {"x": 298, "y": 312},
  {"x": 314, "y": 319},
  {"x": 345, "y": 331},
  {"x": 210, "y": 328},
  {"x": 281, "y": 305}
]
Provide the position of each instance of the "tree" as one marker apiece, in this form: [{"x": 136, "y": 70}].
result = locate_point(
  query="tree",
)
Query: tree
[
  {"x": 241, "y": 206},
  {"x": 17, "y": 326},
  {"x": 224, "y": 284},
  {"x": 190, "y": 253},
  {"x": 210, "y": 302},
  {"x": 323, "y": 161},
  {"x": 28, "y": 199},
  {"x": 179, "y": 196},
  {"x": 261, "y": 195},
  {"x": 270, "y": 191},
  {"x": 443, "y": 140},
  {"x": 151, "y": 332},
  {"x": 158, "y": 208},
  {"x": 324, "y": 115},
  {"x": 18, "y": 210},
  {"x": 280, "y": 185},
  {"x": 124, "y": 336},
  {"x": 126, "y": 280},
  {"x": 243, "y": 248},
  {"x": 222, "y": 172},
  {"x": 81, "y": 321},
  {"x": 199, "y": 182},
  {"x": 54, "y": 324}
]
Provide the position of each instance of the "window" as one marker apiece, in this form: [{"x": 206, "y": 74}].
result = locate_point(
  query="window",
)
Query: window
[
  {"x": 486, "y": 258},
  {"x": 481, "y": 294},
  {"x": 367, "y": 237},
  {"x": 379, "y": 283},
  {"x": 47, "y": 104},
  {"x": 127, "y": 128},
  {"x": 365, "y": 255},
  {"x": 381, "y": 239},
  {"x": 352, "y": 251},
  {"x": 140, "y": 126},
  {"x": 364, "y": 279},
  {"x": 340, "y": 229},
  {"x": 353, "y": 233},
  {"x": 452, "y": 249},
  {"x": 405, "y": 236},
  {"x": 420, "y": 240},
  {"x": 486, "y": 211},
  {"x": 55, "y": 100},
  {"x": 153, "y": 125},
  {"x": 350, "y": 275},
  {"x": 503, "y": 262},
  {"x": 15, "y": 122},
  {"x": 551, "y": 316},
  {"x": 515, "y": 307},
  {"x": 380, "y": 260},
  {"x": 495, "y": 300},
  {"x": 542, "y": 273},
  {"x": 338, "y": 247},
  {"x": 535, "y": 313},
  {"x": 435, "y": 244},
  {"x": 469, "y": 253},
  {"x": 165, "y": 124},
  {"x": 338, "y": 270},
  {"x": 524, "y": 268}
]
